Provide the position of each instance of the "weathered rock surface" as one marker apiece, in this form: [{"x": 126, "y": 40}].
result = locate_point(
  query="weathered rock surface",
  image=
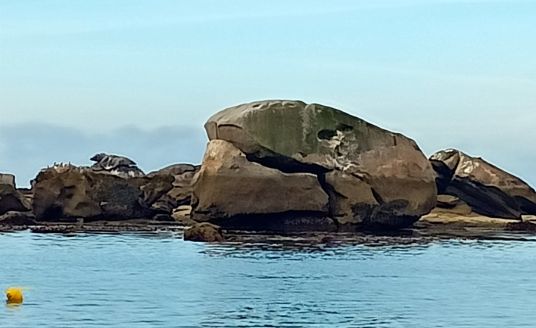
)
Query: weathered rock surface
[
  {"x": 373, "y": 177},
  {"x": 11, "y": 199},
  {"x": 68, "y": 192},
  {"x": 17, "y": 218},
  {"x": 7, "y": 179},
  {"x": 117, "y": 165},
  {"x": 176, "y": 169},
  {"x": 181, "y": 191},
  {"x": 228, "y": 185},
  {"x": 204, "y": 232},
  {"x": 487, "y": 189},
  {"x": 155, "y": 189},
  {"x": 182, "y": 215},
  {"x": 447, "y": 201}
]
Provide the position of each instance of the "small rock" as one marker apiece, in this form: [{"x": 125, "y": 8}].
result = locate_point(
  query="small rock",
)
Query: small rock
[
  {"x": 205, "y": 231},
  {"x": 182, "y": 215},
  {"x": 447, "y": 201},
  {"x": 17, "y": 218}
]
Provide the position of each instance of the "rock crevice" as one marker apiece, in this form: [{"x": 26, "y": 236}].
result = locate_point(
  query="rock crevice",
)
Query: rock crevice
[
  {"x": 485, "y": 188},
  {"x": 364, "y": 172}
]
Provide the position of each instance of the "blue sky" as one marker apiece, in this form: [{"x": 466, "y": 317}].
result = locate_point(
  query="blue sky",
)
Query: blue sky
[{"x": 141, "y": 77}]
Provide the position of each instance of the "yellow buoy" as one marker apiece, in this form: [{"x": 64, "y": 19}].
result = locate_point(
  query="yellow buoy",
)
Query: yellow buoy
[{"x": 14, "y": 295}]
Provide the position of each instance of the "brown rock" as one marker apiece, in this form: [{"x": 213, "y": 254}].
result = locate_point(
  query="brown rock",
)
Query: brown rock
[
  {"x": 17, "y": 218},
  {"x": 182, "y": 215},
  {"x": 68, "y": 192},
  {"x": 155, "y": 189},
  {"x": 487, "y": 189},
  {"x": 176, "y": 169},
  {"x": 180, "y": 192},
  {"x": 374, "y": 177},
  {"x": 447, "y": 201},
  {"x": 7, "y": 179},
  {"x": 12, "y": 200},
  {"x": 229, "y": 185},
  {"x": 204, "y": 232}
]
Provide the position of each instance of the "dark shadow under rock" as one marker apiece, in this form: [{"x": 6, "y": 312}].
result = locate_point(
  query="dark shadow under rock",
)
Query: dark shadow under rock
[
  {"x": 17, "y": 218},
  {"x": 281, "y": 223},
  {"x": 487, "y": 189}
]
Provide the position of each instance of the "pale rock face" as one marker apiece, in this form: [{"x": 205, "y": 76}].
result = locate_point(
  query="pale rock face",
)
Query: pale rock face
[
  {"x": 7, "y": 179},
  {"x": 373, "y": 176},
  {"x": 229, "y": 185},
  {"x": 487, "y": 189}
]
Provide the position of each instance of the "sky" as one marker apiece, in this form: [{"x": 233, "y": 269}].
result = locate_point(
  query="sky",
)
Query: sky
[{"x": 140, "y": 78}]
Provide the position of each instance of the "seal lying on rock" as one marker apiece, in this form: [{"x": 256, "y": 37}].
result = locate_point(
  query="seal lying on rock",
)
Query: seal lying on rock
[{"x": 117, "y": 165}]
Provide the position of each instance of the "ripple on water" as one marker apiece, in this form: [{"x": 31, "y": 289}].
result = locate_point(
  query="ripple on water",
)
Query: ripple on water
[{"x": 159, "y": 280}]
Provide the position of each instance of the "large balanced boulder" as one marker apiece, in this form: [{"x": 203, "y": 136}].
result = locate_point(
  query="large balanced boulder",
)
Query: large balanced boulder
[
  {"x": 10, "y": 198},
  {"x": 67, "y": 192},
  {"x": 373, "y": 177},
  {"x": 487, "y": 189}
]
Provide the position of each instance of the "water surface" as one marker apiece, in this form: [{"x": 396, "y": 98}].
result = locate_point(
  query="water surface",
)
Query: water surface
[{"x": 159, "y": 280}]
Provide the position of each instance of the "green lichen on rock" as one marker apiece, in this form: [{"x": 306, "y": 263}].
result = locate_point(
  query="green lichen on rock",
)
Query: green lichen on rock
[
  {"x": 395, "y": 179},
  {"x": 307, "y": 133}
]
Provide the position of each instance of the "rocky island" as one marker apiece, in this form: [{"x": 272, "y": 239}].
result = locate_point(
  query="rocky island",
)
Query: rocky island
[{"x": 278, "y": 166}]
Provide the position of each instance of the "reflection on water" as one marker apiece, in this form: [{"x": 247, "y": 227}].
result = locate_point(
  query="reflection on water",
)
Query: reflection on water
[{"x": 158, "y": 280}]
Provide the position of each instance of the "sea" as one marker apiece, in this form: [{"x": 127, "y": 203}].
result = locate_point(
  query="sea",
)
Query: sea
[{"x": 160, "y": 280}]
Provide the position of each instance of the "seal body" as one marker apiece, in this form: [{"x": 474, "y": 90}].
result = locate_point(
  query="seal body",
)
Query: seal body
[{"x": 117, "y": 165}]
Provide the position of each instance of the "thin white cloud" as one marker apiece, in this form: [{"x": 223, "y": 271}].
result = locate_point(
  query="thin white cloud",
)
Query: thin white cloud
[{"x": 158, "y": 17}]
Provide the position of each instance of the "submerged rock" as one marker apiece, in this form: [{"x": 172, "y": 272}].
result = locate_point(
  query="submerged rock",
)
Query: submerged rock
[
  {"x": 274, "y": 157},
  {"x": 204, "y": 232},
  {"x": 487, "y": 189}
]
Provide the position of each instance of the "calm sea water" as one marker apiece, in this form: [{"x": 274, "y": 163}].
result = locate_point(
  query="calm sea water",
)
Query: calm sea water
[{"x": 159, "y": 280}]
